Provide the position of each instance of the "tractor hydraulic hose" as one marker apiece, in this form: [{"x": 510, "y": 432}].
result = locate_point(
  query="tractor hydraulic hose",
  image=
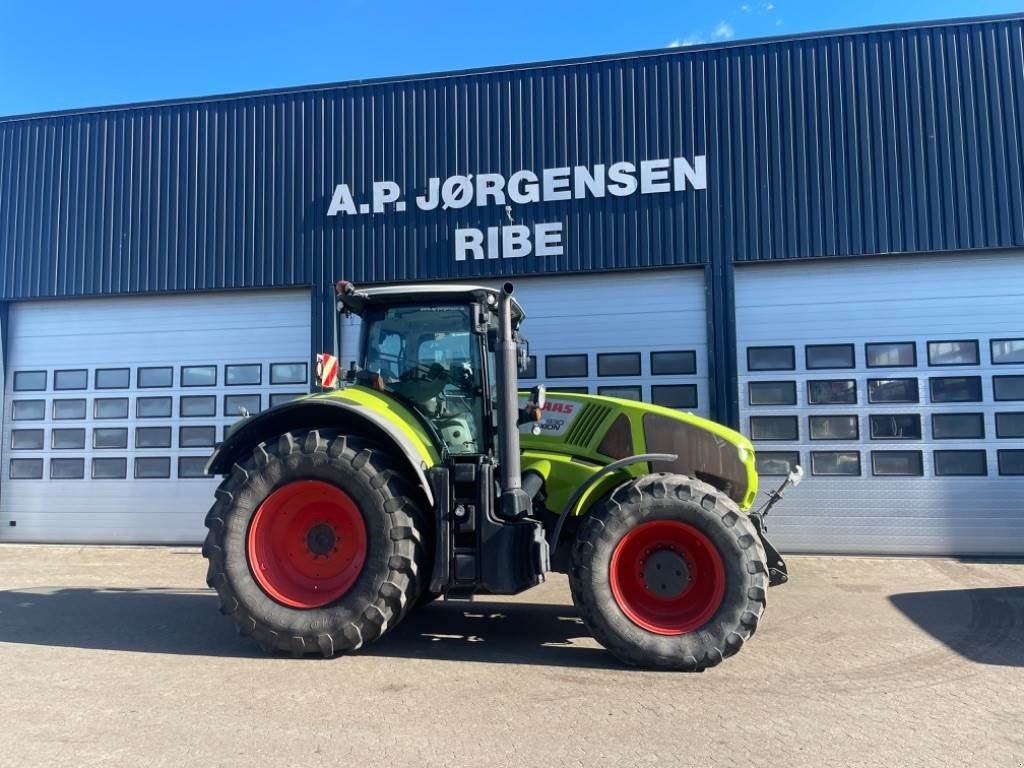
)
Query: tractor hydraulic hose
[{"x": 515, "y": 503}]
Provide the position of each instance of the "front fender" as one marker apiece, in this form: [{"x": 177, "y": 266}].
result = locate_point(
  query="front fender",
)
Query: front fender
[{"x": 320, "y": 412}]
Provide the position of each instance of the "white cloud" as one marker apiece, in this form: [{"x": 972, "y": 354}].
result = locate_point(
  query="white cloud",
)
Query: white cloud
[
  {"x": 684, "y": 42},
  {"x": 745, "y": 8},
  {"x": 778, "y": 22},
  {"x": 723, "y": 31},
  {"x": 769, "y": 7}
]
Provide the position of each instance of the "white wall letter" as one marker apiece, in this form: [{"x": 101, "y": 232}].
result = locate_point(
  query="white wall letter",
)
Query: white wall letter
[
  {"x": 587, "y": 181},
  {"x": 549, "y": 239},
  {"x": 556, "y": 184},
  {"x": 697, "y": 174},
  {"x": 654, "y": 176},
  {"x": 520, "y": 192},
  {"x": 384, "y": 192},
  {"x": 468, "y": 240},
  {"x": 341, "y": 202},
  {"x": 515, "y": 241},
  {"x": 623, "y": 179},
  {"x": 429, "y": 201},
  {"x": 490, "y": 185}
]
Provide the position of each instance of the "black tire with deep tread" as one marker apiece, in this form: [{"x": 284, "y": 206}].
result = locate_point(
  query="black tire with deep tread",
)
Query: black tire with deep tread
[
  {"x": 675, "y": 497},
  {"x": 392, "y": 578}
]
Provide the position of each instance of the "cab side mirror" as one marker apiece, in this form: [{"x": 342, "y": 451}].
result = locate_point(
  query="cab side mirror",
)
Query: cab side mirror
[{"x": 533, "y": 410}]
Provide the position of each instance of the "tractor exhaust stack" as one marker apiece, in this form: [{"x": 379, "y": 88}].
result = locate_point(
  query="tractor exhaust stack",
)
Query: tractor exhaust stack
[{"x": 515, "y": 502}]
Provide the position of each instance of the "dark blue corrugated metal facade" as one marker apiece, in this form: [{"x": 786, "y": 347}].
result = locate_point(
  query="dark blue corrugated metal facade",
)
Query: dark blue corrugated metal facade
[{"x": 866, "y": 142}]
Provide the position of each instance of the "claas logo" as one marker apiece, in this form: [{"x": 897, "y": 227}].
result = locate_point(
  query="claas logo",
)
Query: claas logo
[{"x": 557, "y": 406}]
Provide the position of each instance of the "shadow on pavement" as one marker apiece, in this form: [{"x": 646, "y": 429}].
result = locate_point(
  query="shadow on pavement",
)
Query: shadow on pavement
[
  {"x": 984, "y": 625},
  {"x": 189, "y": 623}
]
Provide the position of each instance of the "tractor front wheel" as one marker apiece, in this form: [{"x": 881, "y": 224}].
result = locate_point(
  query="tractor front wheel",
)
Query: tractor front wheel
[
  {"x": 316, "y": 544},
  {"x": 668, "y": 573}
]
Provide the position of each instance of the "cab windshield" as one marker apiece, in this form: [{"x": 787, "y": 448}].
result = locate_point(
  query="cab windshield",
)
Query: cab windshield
[{"x": 429, "y": 358}]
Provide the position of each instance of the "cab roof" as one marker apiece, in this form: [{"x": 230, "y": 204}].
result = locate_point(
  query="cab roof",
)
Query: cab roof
[{"x": 361, "y": 298}]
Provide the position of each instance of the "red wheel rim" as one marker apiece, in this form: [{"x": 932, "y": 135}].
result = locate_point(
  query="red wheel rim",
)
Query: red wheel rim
[
  {"x": 307, "y": 544},
  {"x": 667, "y": 577}
]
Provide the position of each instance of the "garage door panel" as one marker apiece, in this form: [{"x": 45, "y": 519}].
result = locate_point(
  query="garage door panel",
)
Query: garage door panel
[
  {"x": 153, "y": 495},
  {"x": 901, "y": 299}
]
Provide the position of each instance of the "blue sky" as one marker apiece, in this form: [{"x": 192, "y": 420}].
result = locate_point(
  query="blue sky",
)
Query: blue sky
[{"x": 56, "y": 55}]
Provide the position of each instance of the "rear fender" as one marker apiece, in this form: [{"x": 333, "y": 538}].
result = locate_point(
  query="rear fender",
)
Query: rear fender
[{"x": 318, "y": 413}]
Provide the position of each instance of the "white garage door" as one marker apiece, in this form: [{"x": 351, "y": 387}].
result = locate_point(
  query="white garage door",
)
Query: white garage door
[
  {"x": 112, "y": 407},
  {"x": 639, "y": 335},
  {"x": 898, "y": 384}
]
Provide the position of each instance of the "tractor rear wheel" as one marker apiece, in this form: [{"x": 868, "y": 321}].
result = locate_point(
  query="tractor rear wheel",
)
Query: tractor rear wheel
[
  {"x": 315, "y": 544},
  {"x": 668, "y": 573}
]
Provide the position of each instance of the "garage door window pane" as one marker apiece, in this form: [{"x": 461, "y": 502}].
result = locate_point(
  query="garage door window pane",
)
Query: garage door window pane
[
  {"x": 957, "y": 426},
  {"x": 238, "y": 375},
  {"x": 530, "y": 372},
  {"x": 240, "y": 405},
  {"x": 952, "y": 353},
  {"x": 960, "y": 463},
  {"x": 156, "y": 377},
  {"x": 198, "y": 375},
  {"x": 67, "y": 469},
  {"x": 109, "y": 469},
  {"x": 892, "y": 391},
  {"x": 67, "y": 439},
  {"x": 674, "y": 395},
  {"x": 895, "y": 426},
  {"x": 829, "y": 355},
  {"x": 198, "y": 405},
  {"x": 288, "y": 373},
  {"x": 771, "y": 392},
  {"x": 153, "y": 407},
  {"x": 29, "y": 381},
  {"x": 76, "y": 379},
  {"x": 897, "y": 463},
  {"x": 113, "y": 378},
  {"x": 832, "y": 392},
  {"x": 191, "y": 466},
  {"x": 110, "y": 408},
  {"x": 626, "y": 393},
  {"x": 618, "y": 364},
  {"x": 1010, "y": 424},
  {"x": 955, "y": 389},
  {"x": 773, "y": 428},
  {"x": 1011, "y": 462},
  {"x": 1008, "y": 387},
  {"x": 197, "y": 437},
  {"x": 833, "y": 427},
  {"x": 771, "y": 359},
  {"x": 565, "y": 366},
  {"x": 1007, "y": 351},
  {"x": 110, "y": 437},
  {"x": 27, "y": 439},
  {"x": 780, "y": 463},
  {"x": 674, "y": 363},
  {"x": 280, "y": 398},
  {"x": 26, "y": 469},
  {"x": 28, "y": 410},
  {"x": 149, "y": 467},
  {"x": 69, "y": 409},
  {"x": 896, "y": 354},
  {"x": 842, "y": 463},
  {"x": 153, "y": 437}
]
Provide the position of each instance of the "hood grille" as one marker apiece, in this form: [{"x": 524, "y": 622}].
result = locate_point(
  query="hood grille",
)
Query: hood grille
[{"x": 584, "y": 427}]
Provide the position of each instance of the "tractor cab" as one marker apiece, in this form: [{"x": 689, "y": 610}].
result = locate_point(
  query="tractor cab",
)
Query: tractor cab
[{"x": 433, "y": 350}]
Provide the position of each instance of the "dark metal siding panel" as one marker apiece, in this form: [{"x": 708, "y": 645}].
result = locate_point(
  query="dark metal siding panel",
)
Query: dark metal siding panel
[{"x": 875, "y": 142}]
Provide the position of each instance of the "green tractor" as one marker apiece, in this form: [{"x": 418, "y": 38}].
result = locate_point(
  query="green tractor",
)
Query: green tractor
[{"x": 428, "y": 474}]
